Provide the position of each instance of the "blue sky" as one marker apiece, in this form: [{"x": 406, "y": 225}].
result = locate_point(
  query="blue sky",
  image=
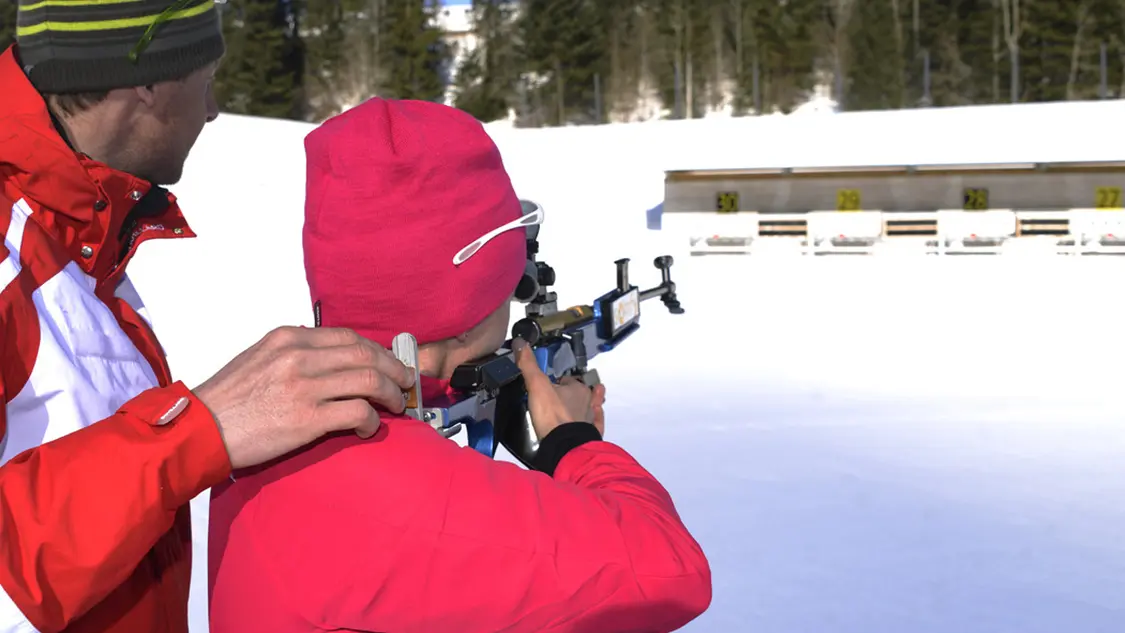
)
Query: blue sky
[{"x": 454, "y": 3}]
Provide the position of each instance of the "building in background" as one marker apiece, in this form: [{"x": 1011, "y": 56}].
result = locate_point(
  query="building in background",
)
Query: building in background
[{"x": 456, "y": 22}]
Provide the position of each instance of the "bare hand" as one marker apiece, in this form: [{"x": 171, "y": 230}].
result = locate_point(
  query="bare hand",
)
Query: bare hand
[
  {"x": 550, "y": 404},
  {"x": 598, "y": 407},
  {"x": 297, "y": 384}
]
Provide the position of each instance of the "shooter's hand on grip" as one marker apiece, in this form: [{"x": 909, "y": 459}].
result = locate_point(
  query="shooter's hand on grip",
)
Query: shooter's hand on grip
[
  {"x": 597, "y": 407},
  {"x": 552, "y": 405}
]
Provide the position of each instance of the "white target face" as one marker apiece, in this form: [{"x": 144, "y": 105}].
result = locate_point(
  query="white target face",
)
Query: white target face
[{"x": 626, "y": 309}]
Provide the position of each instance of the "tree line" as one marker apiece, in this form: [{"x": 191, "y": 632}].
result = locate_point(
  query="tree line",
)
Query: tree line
[{"x": 558, "y": 62}]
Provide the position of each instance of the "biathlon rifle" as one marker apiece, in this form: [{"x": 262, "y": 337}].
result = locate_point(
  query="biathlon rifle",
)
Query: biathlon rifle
[{"x": 489, "y": 399}]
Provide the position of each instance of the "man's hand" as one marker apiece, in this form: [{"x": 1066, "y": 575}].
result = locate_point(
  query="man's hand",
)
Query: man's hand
[
  {"x": 553, "y": 404},
  {"x": 297, "y": 384}
]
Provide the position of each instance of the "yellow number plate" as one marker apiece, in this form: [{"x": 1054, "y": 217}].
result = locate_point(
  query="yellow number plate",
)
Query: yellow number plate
[
  {"x": 1107, "y": 198},
  {"x": 975, "y": 200},
  {"x": 727, "y": 202},
  {"x": 848, "y": 200}
]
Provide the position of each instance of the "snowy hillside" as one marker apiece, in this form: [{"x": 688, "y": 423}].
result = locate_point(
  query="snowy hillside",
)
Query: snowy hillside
[{"x": 943, "y": 458}]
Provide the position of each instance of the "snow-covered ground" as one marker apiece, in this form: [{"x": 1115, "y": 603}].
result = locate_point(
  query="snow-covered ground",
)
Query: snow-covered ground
[{"x": 860, "y": 445}]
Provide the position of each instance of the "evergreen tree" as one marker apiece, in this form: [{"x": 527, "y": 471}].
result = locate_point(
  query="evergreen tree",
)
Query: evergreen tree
[
  {"x": 675, "y": 26},
  {"x": 874, "y": 77},
  {"x": 414, "y": 55},
  {"x": 476, "y": 89},
  {"x": 960, "y": 39},
  {"x": 324, "y": 35},
  {"x": 790, "y": 49},
  {"x": 626, "y": 44},
  {"x": 263, "y": 71},
  {"x": 1108, "y": 28},
  {"x": 486, "y": 77},
  {"x": 345, "y": 55},
  {"x": 973, "y": 56},
  {"x": 563, "y": 49},
  {"x": 1053, "y": 29},
  {"x": 558, "y": 62}
]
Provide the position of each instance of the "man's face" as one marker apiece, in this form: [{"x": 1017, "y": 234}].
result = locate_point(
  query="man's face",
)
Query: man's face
[{"x": 171, "y": 126}]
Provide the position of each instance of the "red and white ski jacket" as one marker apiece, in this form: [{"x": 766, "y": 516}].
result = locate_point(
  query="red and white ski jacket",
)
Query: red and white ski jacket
[
  {"x": 407, "y": 532},
  {"x": 101, "y": 452}
]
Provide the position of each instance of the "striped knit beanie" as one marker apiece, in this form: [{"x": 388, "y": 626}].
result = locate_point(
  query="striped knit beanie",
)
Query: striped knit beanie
[{"x": 97, "y": 45}]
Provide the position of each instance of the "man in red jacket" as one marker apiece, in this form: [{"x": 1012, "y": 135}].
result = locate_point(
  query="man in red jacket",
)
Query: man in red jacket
[
  {"x": 101, "y": 450},
  {"x": 408, "y": 532}
]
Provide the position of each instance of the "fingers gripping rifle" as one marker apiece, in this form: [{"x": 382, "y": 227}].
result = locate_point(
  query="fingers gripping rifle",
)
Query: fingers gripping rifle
[{"x": 490, "y": 399}]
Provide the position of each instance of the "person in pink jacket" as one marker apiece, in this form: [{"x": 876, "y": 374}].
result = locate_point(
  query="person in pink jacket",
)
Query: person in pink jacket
[{"x": 407, "y": 531}]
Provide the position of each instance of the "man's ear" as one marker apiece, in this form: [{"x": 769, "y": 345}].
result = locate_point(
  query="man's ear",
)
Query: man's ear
[{"x": 147, "y": 94}]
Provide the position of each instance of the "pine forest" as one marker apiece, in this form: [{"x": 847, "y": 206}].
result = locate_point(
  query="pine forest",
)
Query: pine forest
[{"x": 579, "y": 62}]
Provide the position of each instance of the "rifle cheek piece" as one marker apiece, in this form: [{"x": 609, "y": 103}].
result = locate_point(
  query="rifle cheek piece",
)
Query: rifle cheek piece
[{"x": 490, "y": 398}]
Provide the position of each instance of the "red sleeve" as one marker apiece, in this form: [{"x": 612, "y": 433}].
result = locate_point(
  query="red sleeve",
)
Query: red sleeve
[
  {"x": 409, "y": 532},
  {"x": 78, "y": 514}
]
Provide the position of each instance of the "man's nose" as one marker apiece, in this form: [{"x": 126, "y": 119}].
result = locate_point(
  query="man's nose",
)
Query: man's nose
[{"x": 212, "y": 108}]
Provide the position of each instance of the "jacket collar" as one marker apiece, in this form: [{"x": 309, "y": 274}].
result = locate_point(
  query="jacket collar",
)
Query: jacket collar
[{"x": 98, "y": 215}]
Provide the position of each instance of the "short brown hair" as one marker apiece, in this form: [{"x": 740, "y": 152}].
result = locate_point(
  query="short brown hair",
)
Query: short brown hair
[{"x": 71, "y": 103}]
